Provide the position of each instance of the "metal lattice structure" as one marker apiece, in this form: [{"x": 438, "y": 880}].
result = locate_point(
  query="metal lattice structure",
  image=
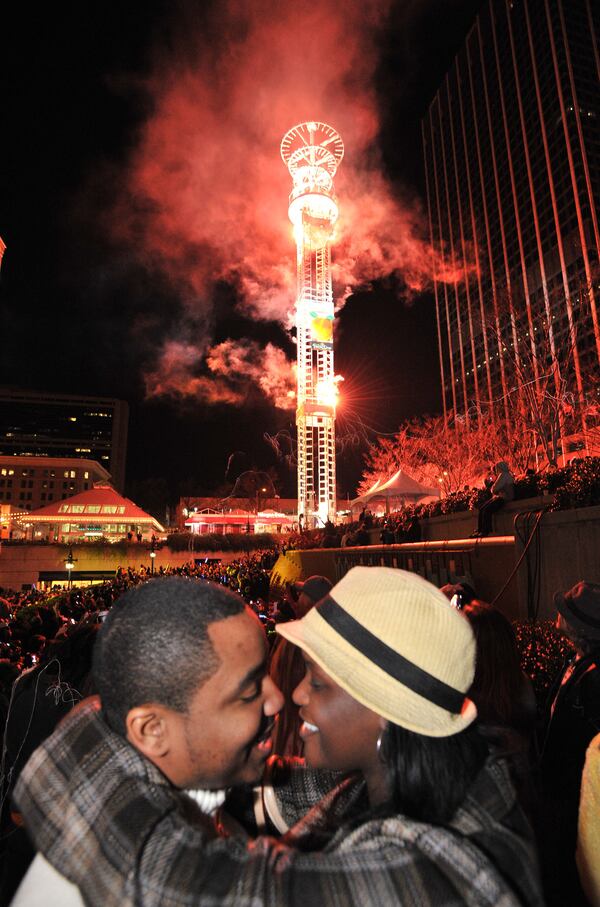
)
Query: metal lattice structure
[{"x": 312, "y": 153}]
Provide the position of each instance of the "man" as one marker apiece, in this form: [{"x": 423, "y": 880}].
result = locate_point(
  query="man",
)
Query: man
[
  {"x": 181, "y": 669},
  {"x": 572, "y": 719}
]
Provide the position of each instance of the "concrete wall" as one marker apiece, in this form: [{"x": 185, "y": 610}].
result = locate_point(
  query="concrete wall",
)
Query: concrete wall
[
  {"x": 487, "y": 563},
  {"x": 563, "y": 548},
  {"x": 20, "y": 564}
]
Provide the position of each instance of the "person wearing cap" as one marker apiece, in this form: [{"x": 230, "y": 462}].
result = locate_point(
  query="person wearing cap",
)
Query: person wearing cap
[
  {"x": 571, "y": 720},
  {"x": 287, "y": 666},
  {"x": 426, "y": 817}
]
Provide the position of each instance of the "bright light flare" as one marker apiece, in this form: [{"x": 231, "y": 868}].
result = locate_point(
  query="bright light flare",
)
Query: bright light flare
[{"x": 328, "y": 391}]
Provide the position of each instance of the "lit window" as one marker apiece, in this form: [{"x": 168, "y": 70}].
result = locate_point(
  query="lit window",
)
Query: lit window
[
  {"x": 93, "y": 508},
  {"x": 73, "y": 473},
  {"x": 72, "y": 418},
  {"x": 86, "y": 475},
  {"x": 109, "y": 508},
  {"x": 66, "y": 473},
  {"x": 77, "y": 508},
  {"x": 64, "y": 508}
]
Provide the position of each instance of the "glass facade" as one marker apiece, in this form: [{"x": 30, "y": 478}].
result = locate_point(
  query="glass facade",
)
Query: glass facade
[{"x": 511, "y": 147}]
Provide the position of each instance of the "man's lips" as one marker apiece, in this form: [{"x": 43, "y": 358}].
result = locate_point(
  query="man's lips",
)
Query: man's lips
[{"x": 264, "y": 743}]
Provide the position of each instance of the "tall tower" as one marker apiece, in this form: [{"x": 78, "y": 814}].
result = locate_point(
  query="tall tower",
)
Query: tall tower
[{"x": 312, "y": 153}]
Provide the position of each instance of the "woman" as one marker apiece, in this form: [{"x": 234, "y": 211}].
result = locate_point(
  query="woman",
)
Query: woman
[
  {"x": 425, "y": 818},
  {"x": 501, "y": 691}
]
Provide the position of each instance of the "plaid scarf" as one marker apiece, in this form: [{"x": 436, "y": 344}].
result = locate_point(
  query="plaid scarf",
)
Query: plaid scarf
[{"x": 110, "y": 822}]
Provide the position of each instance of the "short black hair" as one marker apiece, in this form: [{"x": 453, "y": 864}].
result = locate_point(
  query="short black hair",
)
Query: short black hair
[{"x": 154, "y": 645}]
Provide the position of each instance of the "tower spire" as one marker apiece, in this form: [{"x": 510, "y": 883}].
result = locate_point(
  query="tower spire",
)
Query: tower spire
[{"x": 312, "y": 153}]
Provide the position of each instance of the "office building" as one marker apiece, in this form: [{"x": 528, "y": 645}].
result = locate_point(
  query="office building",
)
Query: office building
[
  {"x": 27, "y": 483},
  {"x": 511, "y": 147},
  {"x": 65, "y": 425}
]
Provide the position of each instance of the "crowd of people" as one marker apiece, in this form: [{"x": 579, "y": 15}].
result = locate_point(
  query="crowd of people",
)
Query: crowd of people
[{"x": 458, "y": 732}]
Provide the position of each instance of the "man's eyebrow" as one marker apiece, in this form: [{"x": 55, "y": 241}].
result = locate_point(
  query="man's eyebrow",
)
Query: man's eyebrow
[{"x": 252, "y": 675}]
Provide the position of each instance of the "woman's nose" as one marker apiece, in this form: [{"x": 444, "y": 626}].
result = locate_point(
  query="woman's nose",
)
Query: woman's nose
[
  {"x": 300, "y": 695},
  {"x": 273, "y": 697}
]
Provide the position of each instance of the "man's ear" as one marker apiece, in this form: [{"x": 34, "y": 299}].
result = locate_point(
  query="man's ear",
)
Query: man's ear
[{"x": 148, "y": 730}]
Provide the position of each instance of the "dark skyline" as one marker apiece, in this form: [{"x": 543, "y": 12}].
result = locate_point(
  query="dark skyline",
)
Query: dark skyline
[{"x": 81, "y": 312}]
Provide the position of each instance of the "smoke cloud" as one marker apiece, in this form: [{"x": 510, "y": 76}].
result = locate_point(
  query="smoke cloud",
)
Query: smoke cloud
[
  {"x": 233, "y": 367},
  {"x": 207, "y": 190}
]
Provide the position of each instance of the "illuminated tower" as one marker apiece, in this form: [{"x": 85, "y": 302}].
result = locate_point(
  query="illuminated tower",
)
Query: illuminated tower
[{"x": 312, "y": 153}]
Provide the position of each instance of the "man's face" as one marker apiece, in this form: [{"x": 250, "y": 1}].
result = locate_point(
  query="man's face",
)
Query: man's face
[{"x": 224, "y": 737}]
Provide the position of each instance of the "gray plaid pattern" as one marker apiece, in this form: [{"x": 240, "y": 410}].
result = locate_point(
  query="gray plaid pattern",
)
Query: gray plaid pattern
[{"x": 111, "y": 823}]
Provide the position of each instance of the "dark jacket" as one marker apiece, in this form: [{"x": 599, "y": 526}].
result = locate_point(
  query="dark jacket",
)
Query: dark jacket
[{"x": 108, "y": 820}]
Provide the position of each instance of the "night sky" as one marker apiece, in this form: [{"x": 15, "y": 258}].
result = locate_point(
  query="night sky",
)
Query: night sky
[{"x": 90, "y": 300}]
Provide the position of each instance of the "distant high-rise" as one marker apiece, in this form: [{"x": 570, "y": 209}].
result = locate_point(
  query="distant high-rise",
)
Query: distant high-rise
[
  {"x": 37, "y": 424},
  {"x": 512, "y": 159}
]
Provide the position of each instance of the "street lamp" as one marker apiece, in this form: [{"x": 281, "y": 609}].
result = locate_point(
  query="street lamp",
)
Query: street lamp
[
  {"x": 152, "y": 556},
  {"x": 69, "y": 564}
]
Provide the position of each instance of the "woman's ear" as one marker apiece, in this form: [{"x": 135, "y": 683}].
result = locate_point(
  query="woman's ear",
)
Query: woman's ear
[{"x": 148, "y": 730}]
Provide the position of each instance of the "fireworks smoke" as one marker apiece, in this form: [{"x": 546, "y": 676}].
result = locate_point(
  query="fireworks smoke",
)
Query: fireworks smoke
[{"x": 207, "y": 192}]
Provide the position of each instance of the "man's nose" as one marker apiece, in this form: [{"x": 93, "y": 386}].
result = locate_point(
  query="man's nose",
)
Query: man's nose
[{"x": 273, "y": 697}]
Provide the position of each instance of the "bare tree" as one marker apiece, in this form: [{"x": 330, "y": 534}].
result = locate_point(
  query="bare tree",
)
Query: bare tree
[{"x": 441, "y": 455}]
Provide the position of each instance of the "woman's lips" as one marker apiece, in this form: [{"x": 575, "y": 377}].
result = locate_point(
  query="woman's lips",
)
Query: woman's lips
[{"x": 307, "y": 730}]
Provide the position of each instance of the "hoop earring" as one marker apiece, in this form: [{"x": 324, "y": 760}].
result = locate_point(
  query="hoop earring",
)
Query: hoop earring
[{"x": 380, "y": 746}]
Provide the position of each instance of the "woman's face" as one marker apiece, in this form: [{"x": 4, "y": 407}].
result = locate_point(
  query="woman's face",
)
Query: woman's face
[{"x": 338, "y": 732}]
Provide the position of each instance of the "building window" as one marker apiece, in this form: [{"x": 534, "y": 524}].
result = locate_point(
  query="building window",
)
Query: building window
[
  {"x": 43, "y": 496},
  {"x": 86, "y": 475}
]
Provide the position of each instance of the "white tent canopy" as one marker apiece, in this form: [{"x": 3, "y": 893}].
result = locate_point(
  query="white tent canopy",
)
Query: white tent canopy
[{"x": 400, "y": 487}]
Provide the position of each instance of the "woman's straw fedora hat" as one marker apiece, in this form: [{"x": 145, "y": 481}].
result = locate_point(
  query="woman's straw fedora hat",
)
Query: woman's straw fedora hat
[{"x": 396, "y": 644}]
